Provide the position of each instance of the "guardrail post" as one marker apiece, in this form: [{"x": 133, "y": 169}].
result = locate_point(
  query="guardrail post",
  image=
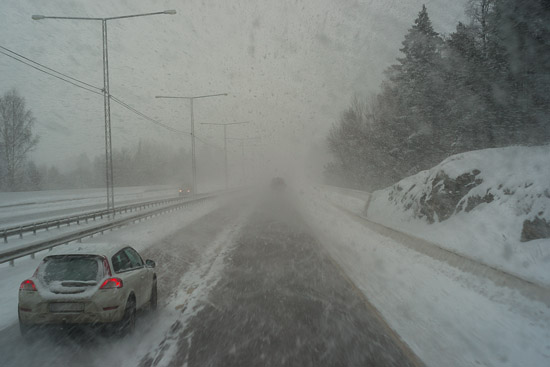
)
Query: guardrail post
[
  {"x": 78, "y": 219},
  {"x": 32, "y": 255},
  {"x": 21, "y": 232},
  {"x": 58, "y": 224},
  {"x": 34, "y": 229},
  {"x": 5, "y": 236},
  {"x": 12, "y": 263}
]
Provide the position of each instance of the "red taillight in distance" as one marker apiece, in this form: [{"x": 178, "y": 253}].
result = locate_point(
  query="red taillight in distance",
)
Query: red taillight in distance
[
  {"x": 111, "y": 283},
  {"x": 27, "y": 285}
]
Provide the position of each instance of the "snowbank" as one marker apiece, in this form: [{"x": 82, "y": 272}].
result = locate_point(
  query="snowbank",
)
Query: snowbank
[
  {"x": 447, "y": 315},
  {"x": 353, "y": 200},
  {"x": 491, "y": 205}
]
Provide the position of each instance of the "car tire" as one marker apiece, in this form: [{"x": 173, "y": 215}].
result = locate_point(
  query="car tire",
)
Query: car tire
[
  {"x": 153, "y": 301},
  {"x": 128, "y": 323}
]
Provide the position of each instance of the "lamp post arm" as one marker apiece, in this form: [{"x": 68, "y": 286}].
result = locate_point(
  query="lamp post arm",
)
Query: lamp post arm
[
  {"x": 170, "y": 12},
  {"x": 40, "y": 17}
]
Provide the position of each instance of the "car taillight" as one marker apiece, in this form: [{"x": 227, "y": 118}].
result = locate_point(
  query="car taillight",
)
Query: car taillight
[
  {"x": 111, "y": 283},
  {"x": 27, "y": 285}
]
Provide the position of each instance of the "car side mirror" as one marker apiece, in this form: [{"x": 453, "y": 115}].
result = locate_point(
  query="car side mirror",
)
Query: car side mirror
[{"x": 150, "y": 263}]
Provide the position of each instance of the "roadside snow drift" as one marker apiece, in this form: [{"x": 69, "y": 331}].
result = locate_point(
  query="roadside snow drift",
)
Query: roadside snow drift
[{"x": 492, "y": 205}]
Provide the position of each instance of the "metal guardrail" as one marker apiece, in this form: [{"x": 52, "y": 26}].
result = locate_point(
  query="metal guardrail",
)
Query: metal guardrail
[
  {"x": 31, "y": 249},
  {"x": 68, "y": 220}
]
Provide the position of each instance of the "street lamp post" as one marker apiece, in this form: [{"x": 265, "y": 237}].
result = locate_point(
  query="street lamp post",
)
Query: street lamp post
[
  {"x": 109, "y": 179},
  {"x": 193, "y": 155},
  {"x": 225, "y": 143}
]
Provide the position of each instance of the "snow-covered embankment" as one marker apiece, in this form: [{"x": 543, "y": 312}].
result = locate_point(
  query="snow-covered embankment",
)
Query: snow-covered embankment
[{"x": 490, "y": 205}]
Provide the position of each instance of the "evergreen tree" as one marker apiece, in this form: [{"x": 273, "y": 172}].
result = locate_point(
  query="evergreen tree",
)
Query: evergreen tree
[
  {"x": 418, "y": 82},
  {"x": 520, "y": 41},
  {"x": 468, "y": 109}
]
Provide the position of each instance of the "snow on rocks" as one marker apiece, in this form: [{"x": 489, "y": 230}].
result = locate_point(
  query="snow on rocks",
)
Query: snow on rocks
[{"x": 492, "y": 205}]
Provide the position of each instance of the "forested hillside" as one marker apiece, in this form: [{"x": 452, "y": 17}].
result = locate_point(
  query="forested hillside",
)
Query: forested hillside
[{"x": 485, "y": 85}]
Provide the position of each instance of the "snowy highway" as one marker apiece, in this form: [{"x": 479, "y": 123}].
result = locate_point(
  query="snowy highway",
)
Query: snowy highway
[
  {"x": 275, "y": 183},
  {"x": 238, "y": 285},
  {"x": 297, "y": 279}
]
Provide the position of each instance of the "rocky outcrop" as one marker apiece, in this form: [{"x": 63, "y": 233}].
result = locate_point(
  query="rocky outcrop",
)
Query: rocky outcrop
[
  {"x": 505, "y": 193},
  {"x": 445, "y": 196},
  {"x": 535, "y": 229}
]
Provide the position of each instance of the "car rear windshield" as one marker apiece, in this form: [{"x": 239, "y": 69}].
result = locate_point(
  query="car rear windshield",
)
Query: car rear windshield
[{"x": 62, "y": 268}]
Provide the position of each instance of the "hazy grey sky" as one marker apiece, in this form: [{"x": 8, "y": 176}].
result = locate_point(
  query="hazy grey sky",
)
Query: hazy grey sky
[{"x": 290, "y": 67}]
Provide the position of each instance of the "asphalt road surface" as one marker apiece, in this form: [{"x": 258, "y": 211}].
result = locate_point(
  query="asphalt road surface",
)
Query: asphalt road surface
[
  {"x": 277, "y": 299},
  {"x": 281, "y": 301}
]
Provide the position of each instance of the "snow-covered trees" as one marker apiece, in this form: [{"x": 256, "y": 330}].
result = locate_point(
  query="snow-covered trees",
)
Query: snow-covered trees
[
  {"x": 485, "y": 85},
  {"x": 16, "y": 138},
  {"x": 417, "y": 81},
  {"x": 148, "y": 164},
  {"x": 520, "y": 36}
]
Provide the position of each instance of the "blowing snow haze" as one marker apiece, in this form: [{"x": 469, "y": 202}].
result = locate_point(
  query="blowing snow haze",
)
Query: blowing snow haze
[
  {"x": 280, "y": 183},
  {"x": 290, "y": 67}
]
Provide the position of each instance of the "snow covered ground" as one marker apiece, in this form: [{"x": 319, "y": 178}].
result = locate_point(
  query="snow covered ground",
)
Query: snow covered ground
[
  {"x": 28, "y": 239},
  {"x": 25, "y": 207},
  {"x": 353, "y": 200},
  {"x": 507, "y": 186},
  {"x": 51, "y": 196},
  {"x": 448, "y": 315}
]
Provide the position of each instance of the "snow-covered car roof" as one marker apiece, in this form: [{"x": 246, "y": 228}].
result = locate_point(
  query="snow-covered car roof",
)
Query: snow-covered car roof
[{"x": 102, "y": 249}]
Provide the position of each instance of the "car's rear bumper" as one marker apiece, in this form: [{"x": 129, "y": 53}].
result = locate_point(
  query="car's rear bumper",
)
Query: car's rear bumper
[
  {"x": 42, "y": 318},
  {"x": 102, "y": 308}
]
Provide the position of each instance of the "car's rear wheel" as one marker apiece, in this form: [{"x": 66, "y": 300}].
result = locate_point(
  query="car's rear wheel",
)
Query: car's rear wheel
[
  {"x": 128, "y": 323},
  {"x": 154, "y": 297}
]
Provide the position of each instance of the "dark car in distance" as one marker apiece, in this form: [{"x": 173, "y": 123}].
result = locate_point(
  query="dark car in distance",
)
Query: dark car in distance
[{"x": 278, "y": 184}]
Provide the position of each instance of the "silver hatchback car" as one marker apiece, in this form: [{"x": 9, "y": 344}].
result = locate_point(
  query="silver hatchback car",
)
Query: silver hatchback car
[{"x": 88, "y": 284}]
